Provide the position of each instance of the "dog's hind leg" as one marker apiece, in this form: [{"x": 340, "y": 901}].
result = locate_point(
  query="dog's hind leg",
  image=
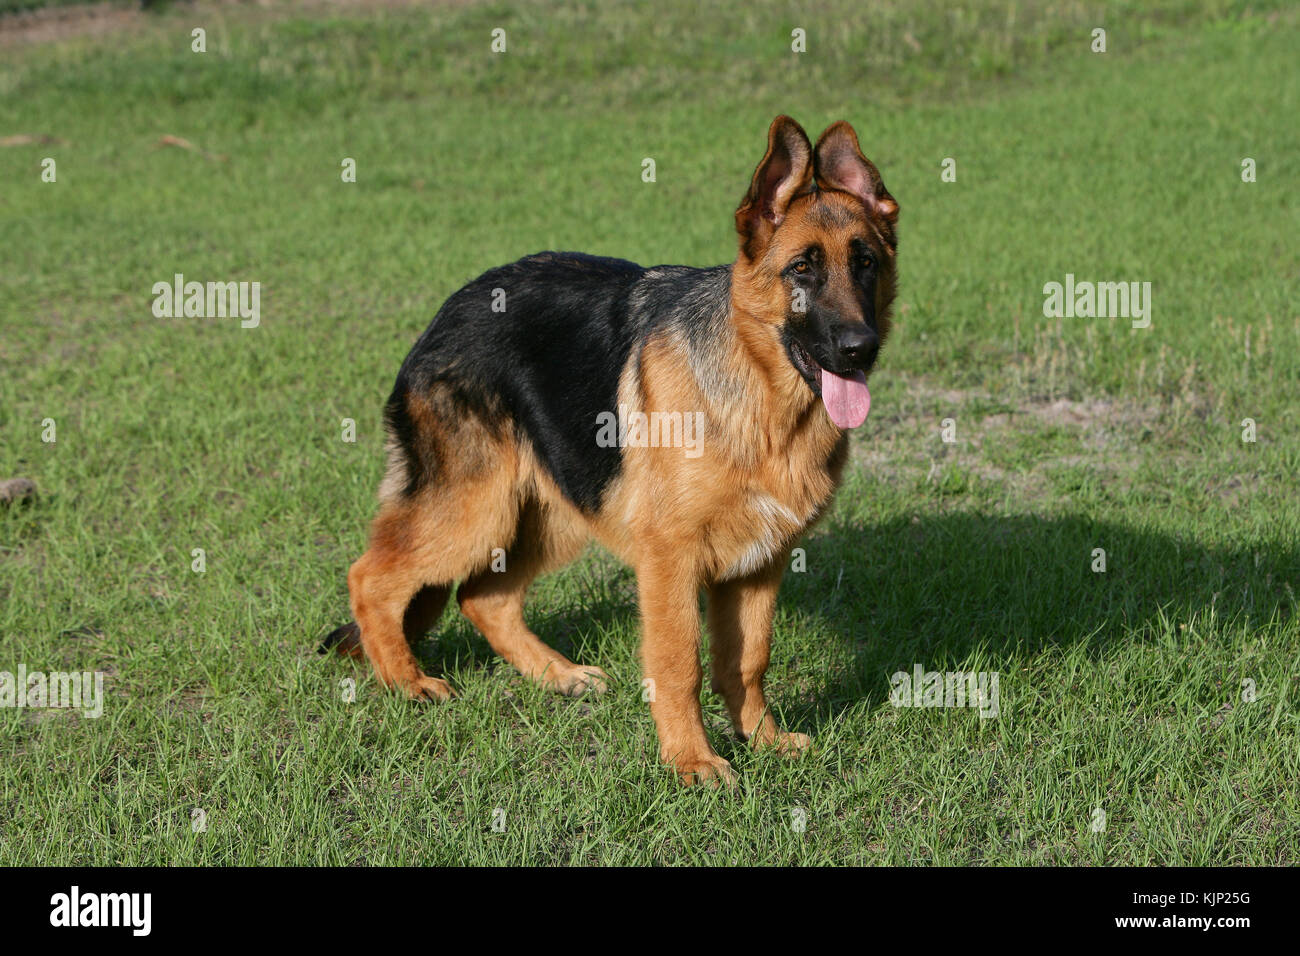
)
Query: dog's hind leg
[
  {"x": 421, "y": 615},
  {"x": 419, "y": 547},
  {"x": 493, "y": 600},
  {"x": 384, "y": 583}
]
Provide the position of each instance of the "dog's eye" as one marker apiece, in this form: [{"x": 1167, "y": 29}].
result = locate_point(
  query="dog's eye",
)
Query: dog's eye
[
  {"x": 868, "y": 262},
  {"x": 802, "y": 268}
]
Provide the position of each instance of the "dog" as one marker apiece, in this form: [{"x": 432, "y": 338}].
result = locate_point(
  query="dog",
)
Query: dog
[{"x": 496, "y": 471}]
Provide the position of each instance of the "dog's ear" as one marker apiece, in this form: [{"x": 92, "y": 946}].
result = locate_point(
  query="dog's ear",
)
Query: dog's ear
[
  {"x": 838, "y": 163},
  {"x": 785, "y": 172}
]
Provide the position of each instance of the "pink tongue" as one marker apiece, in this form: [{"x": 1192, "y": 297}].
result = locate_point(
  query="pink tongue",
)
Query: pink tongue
[{"x": 847, "y": 399}]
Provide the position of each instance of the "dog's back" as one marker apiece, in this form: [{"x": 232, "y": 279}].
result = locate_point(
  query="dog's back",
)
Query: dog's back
[{"x": 542, "y": 344}]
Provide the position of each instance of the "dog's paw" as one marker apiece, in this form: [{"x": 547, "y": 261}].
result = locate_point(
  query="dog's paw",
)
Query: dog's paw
[
  {"x": 784, "y": 742},
  {"x": 711, "y": 770},
  {"x": 428, "y": 688},
  {"x": 574, "y": 680},
  {"x": 787, "y": 744}
]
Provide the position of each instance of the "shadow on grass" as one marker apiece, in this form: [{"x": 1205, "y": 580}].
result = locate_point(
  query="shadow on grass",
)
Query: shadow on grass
[
  {"x": 960, "y": 590},
  {"x": 943, "y": 591}
]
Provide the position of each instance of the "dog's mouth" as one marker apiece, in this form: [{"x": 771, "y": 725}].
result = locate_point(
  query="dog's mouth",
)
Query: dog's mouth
[
  {"x": 805, "y": 365},
  {"x": 846, "y": 397}
]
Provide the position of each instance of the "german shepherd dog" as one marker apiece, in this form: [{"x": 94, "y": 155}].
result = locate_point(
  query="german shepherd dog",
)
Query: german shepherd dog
[{"x": 497, "y": 471}]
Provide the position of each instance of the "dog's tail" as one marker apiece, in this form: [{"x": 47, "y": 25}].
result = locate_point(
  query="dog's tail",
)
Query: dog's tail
[{"x": 345, "y": 640}]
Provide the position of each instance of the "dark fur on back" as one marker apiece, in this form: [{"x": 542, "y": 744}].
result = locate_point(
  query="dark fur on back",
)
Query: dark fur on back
[{"x": 551, "y": 361}]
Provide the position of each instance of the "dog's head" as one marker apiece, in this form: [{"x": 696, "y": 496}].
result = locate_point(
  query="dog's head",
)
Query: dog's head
[{"x": 817, "y": 259}]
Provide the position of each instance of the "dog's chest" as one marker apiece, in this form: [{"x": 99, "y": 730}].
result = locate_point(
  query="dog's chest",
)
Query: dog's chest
[
  {"x": 763, "y": 527},
  {"x": 786, "y": 495}
]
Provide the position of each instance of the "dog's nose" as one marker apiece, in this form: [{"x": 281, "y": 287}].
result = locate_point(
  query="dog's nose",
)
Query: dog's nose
[{"x": 858, "y": 347}]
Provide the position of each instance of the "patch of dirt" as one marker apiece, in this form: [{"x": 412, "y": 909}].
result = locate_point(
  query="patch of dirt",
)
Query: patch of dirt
[
  {"x": 1049, "y": 411},
  {"x": 47, "y": 24},
  {"x": 51, "y": 24},
  {"x": 909, "y": 443},
  {"x": 1234, "y": 489},
  {"x": 16, "y": 490}
]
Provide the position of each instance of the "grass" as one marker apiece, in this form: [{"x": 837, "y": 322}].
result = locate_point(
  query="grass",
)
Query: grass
[{"x": 1120, "y": 690}]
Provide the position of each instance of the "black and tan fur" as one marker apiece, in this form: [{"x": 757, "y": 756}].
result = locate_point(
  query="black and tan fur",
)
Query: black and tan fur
[{"x": 492, "y": 427}]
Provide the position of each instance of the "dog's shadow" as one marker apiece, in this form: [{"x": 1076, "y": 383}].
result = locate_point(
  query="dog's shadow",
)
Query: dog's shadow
[
  {"x": 943, "y": 591},
  {"x": 978, "y": 592}
]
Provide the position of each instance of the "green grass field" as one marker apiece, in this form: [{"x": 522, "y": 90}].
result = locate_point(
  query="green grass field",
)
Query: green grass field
[{"x": 1162, "y": 692}]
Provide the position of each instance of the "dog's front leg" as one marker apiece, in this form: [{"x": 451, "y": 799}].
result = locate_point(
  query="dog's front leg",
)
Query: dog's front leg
[
  {"x": 670, "y": 651},
  {"x": 740, "y": 641}
]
